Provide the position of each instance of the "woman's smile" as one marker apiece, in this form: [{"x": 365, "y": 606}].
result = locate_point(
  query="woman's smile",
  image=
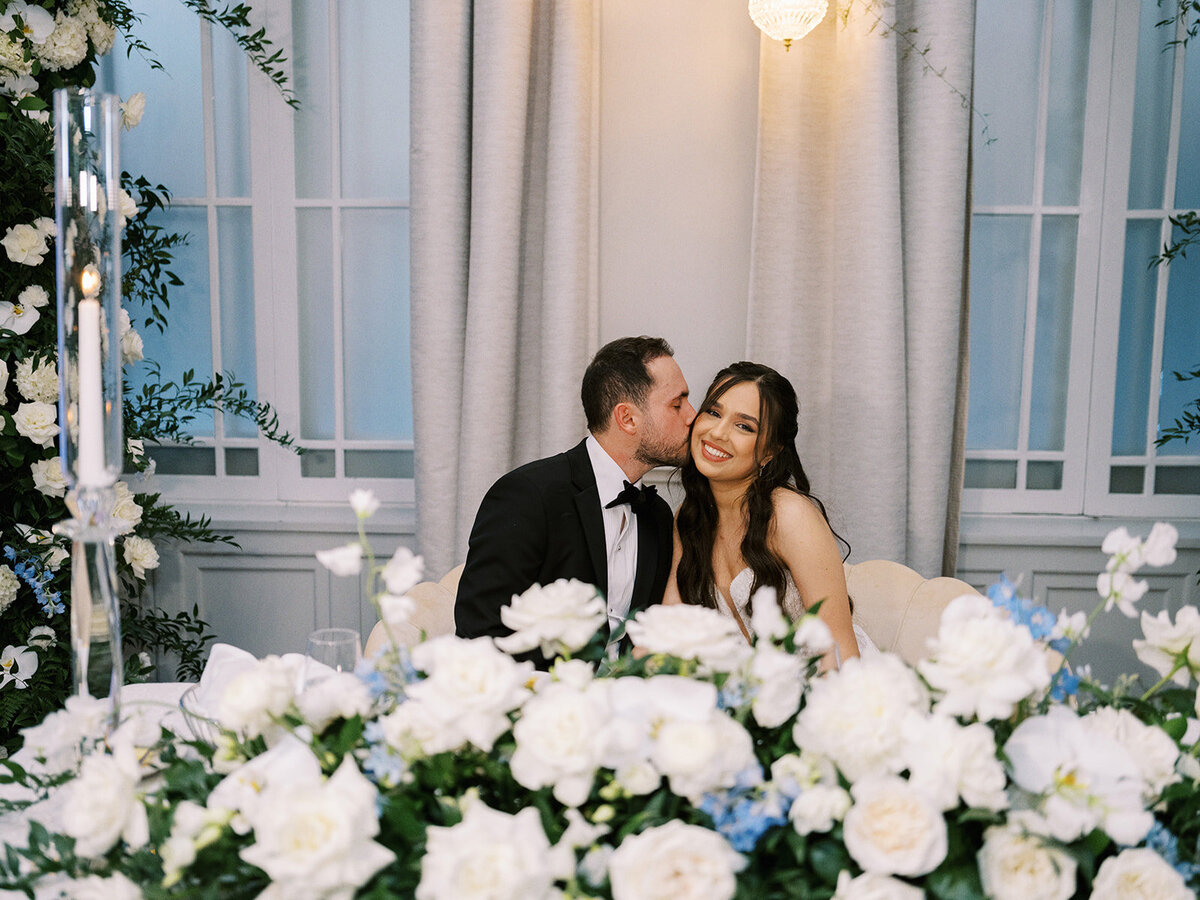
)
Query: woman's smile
[{"x": 711, "y": 452}]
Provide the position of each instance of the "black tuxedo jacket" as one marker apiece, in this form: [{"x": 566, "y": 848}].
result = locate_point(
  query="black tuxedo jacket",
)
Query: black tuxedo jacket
[{"x": 543, "y": 522}]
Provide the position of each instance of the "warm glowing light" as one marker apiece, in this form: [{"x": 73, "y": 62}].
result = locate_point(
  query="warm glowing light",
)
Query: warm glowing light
[
  {"x": 89, "y": 281},
  {"x": 787, "y": 20}
]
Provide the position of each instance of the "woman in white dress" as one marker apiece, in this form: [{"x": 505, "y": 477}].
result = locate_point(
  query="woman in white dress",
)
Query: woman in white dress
[{"x": 748, "y": 519}]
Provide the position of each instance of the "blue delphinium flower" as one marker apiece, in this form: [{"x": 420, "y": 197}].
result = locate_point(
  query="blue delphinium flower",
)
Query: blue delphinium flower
[
  {"x": 1063, "y": 685},
  {"x": 31, "y": 570},
  {"x": 744, "y": 816},
  {"x": 1166, "y": 845},
  {"x": 1021, "y": 610},
  {"x": 382, "y": 766}
]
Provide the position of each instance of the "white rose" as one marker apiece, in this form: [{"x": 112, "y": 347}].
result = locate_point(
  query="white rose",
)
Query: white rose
[
  {"x": 46, "y": 226},
  {"x": 287, "y": 765},
  {"x": 57, "y": 742},
  {"x": 947, "y": 761},
  {"x": 340, "y": 696},
  {"x": 560, "y": 741},
  {"x": 779, "y": 680},
  {"x": 38, "y": 383},
  {"x": 48, "y": 477},
  {"x": 819, "y": 808},
  {"x": 691, "y": 632},
  {"x": 255, "y": 698},
  {"x": 1014, "y": 865},
  {"x": 793, "y": 773},
  {"x": 96, "y": 887},
  {"x": 1148, "y": 745},
  {"x": 127, "y": 514},
  {"x": 141, "y": 555},
  {"x": 25, "y": 244},
  {"x": 316, "y": 839},
  {"x": 683, "y": 862},
  {"x": 853, "y": 716},
  {"x": 471, "y": 686},
  {"x": 982, "y": 663},
  {"x": 34, "y": 297},
  {"x": 342, "y": 561},
  {"x": 38, "y": 422},
  {"x": 132, "y": 346},
  {"x": 66, "y": 46},
  {"x": 893, "y": 828},
  {"x": 874, "y": 887},
  {"x": 17, "y": 318},
  {"x": 9, "y": 583},
  {"x": 700, "y": 756},
  {"x": 132, "y": 110},
  {"x": 102, "y": 805},
  {"x": 404, "y": 570},
  {"x": 414, "y": 731},
  {"x": 557, "y": 618},
  {"x": 1139, "y": 874},
  {"x": 1165, "y": 641},
  {"x": 490, "y": 854},
  {"x": 127, "y": 208}
]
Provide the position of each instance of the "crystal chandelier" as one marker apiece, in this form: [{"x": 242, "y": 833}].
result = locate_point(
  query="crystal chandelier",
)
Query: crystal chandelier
[{"x": 787, "y": 20}]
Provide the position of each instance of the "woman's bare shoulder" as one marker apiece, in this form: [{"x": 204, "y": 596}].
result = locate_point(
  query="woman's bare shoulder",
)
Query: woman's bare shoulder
[{"x": 794, "y": 510}]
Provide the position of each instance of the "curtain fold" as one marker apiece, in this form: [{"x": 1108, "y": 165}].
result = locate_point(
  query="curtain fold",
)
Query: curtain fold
[
  {"x": 503, "y": 246},
  {"x": 858, "y": 289}
]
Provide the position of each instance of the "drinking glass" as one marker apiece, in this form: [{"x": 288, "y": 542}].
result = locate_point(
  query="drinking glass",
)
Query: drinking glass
[{"x": 331, "y": 650}]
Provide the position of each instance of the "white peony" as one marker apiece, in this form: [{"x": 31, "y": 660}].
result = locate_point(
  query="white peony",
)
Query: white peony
[
  {"x": 675, "y": 862},
  {"x": 413, "y": 730},
  {"x": 1080, "y": 777},
  {"x": 557, "y": 618},
  {"x": 37, "y": 380},
  {"x": 948, "y": 761},
  {"x": 254, "y": 699},
  {"x": 853, "y": 715},
  {"x": 691, "y": 632},
  {"x": 288, "y": 764},
  {"x": 491, "y": 854},
  {"x": 560, "y": 740},
  {"x": 38, "y": 422},
  {"x": 893, "y": 828},
  {"x": 17, "y": 318},
  {"x": 1165, "y": 641},
  {"x": 471, "y": 687},
  {"x": 48, "y": 477},
  {"x": 1139, "y": 874},
  {"x": 819, "y": 808},
  {"x": 981, "y": 663},
  {"x": 141, "y": 555},
  {"x": 342, "y": 561},
  {"x": 342, "y": 695},
  {"x": 1014, "y": 865},
  {"x": 67, "y": 44},
  {"x": 1149, "y": 746},
  {"x": 9, "y": 584},
  {"x": 132, "y": 110},
  {"x": 315, "y": 840},
  {"x": 404, "y": 570},
  {"x": 874, "y": 887},
  {"x": 102, "y": 805},
  {"x": 25, "y": 244},
  {"x": 33, "y": 296},
  {"x": 701, "y": 756},
  {"x": 779, "y": 680}
]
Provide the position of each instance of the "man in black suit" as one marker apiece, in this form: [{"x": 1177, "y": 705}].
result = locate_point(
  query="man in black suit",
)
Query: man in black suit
[{"x": 580, "y": 514}]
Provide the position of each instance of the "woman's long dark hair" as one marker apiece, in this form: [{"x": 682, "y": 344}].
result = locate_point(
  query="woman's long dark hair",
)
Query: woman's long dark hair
[{"x": 778, "y": 411}]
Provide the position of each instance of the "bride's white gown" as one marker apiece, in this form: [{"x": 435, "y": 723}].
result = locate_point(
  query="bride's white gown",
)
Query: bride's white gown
[{"x": 793, "y": 607}]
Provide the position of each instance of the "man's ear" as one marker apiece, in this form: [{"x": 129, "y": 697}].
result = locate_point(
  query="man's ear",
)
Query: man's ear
[{"x": 625, "y": 417}]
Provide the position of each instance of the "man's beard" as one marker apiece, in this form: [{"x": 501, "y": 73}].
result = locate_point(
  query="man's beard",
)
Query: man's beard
[{"x": 653, "y": 451}]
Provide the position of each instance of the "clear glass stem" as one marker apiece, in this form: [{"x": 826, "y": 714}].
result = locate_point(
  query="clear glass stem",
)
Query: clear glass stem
[{"x": 96, "y": 658}]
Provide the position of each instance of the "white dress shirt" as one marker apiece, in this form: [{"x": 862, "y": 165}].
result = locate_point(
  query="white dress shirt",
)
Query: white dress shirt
[{"x": 620, "y": 533}]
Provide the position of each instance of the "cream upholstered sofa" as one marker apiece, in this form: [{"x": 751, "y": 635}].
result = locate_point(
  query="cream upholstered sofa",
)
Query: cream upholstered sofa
[{"x": 898, "y": 608}]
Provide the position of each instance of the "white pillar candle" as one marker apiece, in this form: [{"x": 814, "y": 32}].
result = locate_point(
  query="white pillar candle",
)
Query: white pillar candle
[{"x": 90, "y": 468}]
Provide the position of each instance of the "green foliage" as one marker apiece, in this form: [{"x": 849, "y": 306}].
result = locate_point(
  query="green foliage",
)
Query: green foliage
[
  {"x": 1186, "y": 12},
  {"x": 254, "y": 42},
  {"x": 1187, "y": 424}
]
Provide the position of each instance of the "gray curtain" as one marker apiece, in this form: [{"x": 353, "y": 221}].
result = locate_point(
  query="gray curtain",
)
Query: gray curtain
[
  {"x": 858, "y": 269},
  {"x": 503, "y": 246}
]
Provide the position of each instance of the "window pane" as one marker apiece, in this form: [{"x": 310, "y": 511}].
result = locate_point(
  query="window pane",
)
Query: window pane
[
  {"x": 379, "y": 464},
  {"x": 990, "y": 473},
  {"x": 1008, "y": 40},
  {"x": 1135, "y": 347},
  {"x": 1181, "y": 347},
  {"x": 1042, "y": 475},
  {"x": 237, "y": 306},
  {"x": 999, "y": 276},
  {"x": 187, "y": 342},
  {"x": 1067, "y": 101},
  {"x": 310, "y": 77},
  {"x": 231, "y": 116},
  {"x": 318, "y": 464},
  {"x": 1177, "y": 480},
  {"x": 1052, "y": 342},
  {"x": 374, "y": 113},
  {"x": 183, "y": 460},
  {"x": 315, "y": 286},
  {"x": 375, "y": 270},
  {"x": 1187, "y": 185},
  {"x": 1126, "y": 479},
  {"x": 168, "y": 146},
  {"x": 1151, "y": 112},
  {"x": 241, "y": 461}
]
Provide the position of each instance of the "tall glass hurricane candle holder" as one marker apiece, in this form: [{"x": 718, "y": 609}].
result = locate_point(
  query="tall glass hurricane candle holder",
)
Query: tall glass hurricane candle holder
[{"x": 87, "y": 187}]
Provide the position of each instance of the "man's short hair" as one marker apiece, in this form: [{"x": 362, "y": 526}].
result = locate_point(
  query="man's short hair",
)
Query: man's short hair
[{"x": 618, "y": 374}]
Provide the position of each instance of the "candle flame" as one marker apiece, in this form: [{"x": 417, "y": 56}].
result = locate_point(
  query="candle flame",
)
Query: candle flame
[{"x": 89, "y": 281}]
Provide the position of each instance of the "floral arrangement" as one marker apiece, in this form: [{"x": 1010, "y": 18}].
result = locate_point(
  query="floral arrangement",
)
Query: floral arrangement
[
  {"x": 701, "y": 767},
  {"x": 43, "y": 46}
]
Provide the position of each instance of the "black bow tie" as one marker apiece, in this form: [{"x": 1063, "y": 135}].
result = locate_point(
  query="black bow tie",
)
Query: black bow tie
[{"x": 639, "y": 499}]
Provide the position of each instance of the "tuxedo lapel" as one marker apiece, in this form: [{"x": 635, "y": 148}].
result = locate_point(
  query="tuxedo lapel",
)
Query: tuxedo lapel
[
  {"x": 587, "y": 504},
  {"x": 647, "y": 561}
]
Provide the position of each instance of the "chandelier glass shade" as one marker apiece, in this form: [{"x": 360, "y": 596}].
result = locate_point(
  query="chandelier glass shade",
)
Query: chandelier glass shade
[{"x": 787, "y": 20}]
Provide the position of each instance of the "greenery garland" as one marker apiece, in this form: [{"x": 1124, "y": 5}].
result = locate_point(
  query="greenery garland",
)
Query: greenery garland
[{"x": 43, "y": 46}]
